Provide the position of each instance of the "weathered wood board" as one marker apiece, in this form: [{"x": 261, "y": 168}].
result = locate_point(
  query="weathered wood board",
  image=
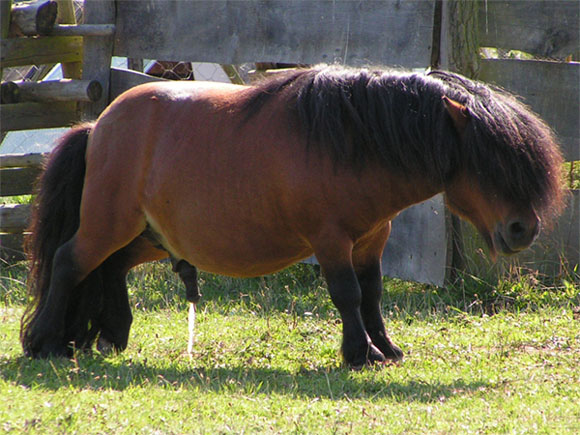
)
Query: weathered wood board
[
  {"x": 388, "y": 32},
  {"x": 555, "y": 253},
  {"x": 545, "y": 28},
  {"x": 17, "y": 181},
  {"x": 417, "y": 249},
  {"x": 30, "y": 116},
  {"x": 552, "y": 89},
  {"x": 42, "y": 50},
  {"x": 558, "y": 246}
]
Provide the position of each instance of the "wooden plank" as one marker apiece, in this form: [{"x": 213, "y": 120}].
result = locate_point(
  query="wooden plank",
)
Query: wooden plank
[
  {"x": 83, "y": 30},
  {"x": 34, "y": 160},
  {"x": 554, "y": 251},
  {"x": 123, "y": 80},
  {"x": 380, "y": 32},
  {"x": 18, "y": 181},
  {"x": 417, "y": 249},
  {"x": 30, "y": 116},
  {"x": 41, "y": 50},
  {"x": 14, "y": 218},
  {"x": 546, "y": 28},
  {"x": 558, "y": 246},
  {"x": 98, "y": 51},
  {"x": 550, "y": 88}
]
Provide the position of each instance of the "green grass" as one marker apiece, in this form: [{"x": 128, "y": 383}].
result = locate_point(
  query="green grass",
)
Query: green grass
[{"x": 266, "y": 360}]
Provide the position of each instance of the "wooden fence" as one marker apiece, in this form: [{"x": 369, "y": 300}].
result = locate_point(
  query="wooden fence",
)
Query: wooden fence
[{"x": 426, "y": 241}]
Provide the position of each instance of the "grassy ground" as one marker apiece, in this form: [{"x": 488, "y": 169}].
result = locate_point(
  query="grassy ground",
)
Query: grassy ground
[{"x": 266, "y": 361}]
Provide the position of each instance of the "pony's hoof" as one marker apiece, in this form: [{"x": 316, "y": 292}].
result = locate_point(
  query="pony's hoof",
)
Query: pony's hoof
[
  {"x": 394, "y": 353},
  {"x": 46, "y": 350},
  {"x": 39, "y": 342},
  {"x": 105, "y": 347},
  {"x": 371, "y": 357}
]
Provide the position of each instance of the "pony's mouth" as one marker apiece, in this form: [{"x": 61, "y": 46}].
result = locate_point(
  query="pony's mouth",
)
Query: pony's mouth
[
  {"x": 497, "y": 244},
  {"x": 504, "y": 248}
]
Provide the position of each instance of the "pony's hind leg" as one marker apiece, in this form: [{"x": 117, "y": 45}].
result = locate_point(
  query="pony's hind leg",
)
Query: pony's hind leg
[
  {"x": 72, "y": 263},
  {"x": 116, "y": 318},
  {"x": 47, "y": 335}
]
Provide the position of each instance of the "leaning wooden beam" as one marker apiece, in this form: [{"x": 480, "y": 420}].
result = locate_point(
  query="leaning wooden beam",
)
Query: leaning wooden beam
[
  {"x": 122, "y": 80},
  {"x": 30, "y": 19},
  {"x": 83, "y": 30},
  {"x": 38, "y": 51},
  {"x": 57, "y": 90},
  {"x": 233, "y": 74}
]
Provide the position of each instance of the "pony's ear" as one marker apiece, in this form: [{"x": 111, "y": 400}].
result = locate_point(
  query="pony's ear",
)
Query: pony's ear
[{"x": 459, "y": 114}]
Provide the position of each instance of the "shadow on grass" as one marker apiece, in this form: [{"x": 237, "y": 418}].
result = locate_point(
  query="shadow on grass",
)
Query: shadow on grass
[{"x": 100, "y": 374}]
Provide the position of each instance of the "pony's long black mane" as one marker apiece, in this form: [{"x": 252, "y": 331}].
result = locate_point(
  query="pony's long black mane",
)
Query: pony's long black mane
[{"x": 398, "y": 120}]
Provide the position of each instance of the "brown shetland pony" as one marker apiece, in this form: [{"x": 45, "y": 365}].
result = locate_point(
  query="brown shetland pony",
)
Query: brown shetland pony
[{"x": 244, "y": 181}]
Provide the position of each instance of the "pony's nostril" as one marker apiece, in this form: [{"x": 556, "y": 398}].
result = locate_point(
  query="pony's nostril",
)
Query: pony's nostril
[{"x": 516, "y": 230}]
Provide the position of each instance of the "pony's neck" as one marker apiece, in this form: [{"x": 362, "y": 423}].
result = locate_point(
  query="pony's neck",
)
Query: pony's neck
[
  {"x": 387, "y": 193},
  {"x": 407, "y": 191}
]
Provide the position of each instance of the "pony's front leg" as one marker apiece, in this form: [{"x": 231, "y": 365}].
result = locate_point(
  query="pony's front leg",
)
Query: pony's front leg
[
  {"x": 345, "y": 292},
  {"x": 370, "y": 280}
]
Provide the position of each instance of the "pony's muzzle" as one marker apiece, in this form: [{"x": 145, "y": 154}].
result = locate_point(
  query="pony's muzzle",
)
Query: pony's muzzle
[{"x": 516, "y": 235}]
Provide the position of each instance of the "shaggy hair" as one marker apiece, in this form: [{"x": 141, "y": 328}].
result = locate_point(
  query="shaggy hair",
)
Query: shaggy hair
[{"x": 398, "y": 119}]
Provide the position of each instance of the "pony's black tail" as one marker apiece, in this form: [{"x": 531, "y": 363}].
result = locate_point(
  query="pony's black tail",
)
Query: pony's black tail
[{"x": 55, "y": 219}]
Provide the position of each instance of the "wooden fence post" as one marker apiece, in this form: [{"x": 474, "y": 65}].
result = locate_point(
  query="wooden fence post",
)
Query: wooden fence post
[
  {"x": 66, "y": 15},
  {"x": 459, "y": 52},
  {"x": 459, "y": 37},
  {"x": 97, "y": 53}
]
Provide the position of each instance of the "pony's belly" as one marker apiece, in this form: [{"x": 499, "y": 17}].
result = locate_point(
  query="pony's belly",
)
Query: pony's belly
[
  {"x": 244, "y": 261},
  {"x": 232, "y": 250}
]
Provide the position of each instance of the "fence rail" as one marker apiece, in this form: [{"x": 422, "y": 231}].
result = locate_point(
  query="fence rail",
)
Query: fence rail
[{"x": 18, "y": 173}]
